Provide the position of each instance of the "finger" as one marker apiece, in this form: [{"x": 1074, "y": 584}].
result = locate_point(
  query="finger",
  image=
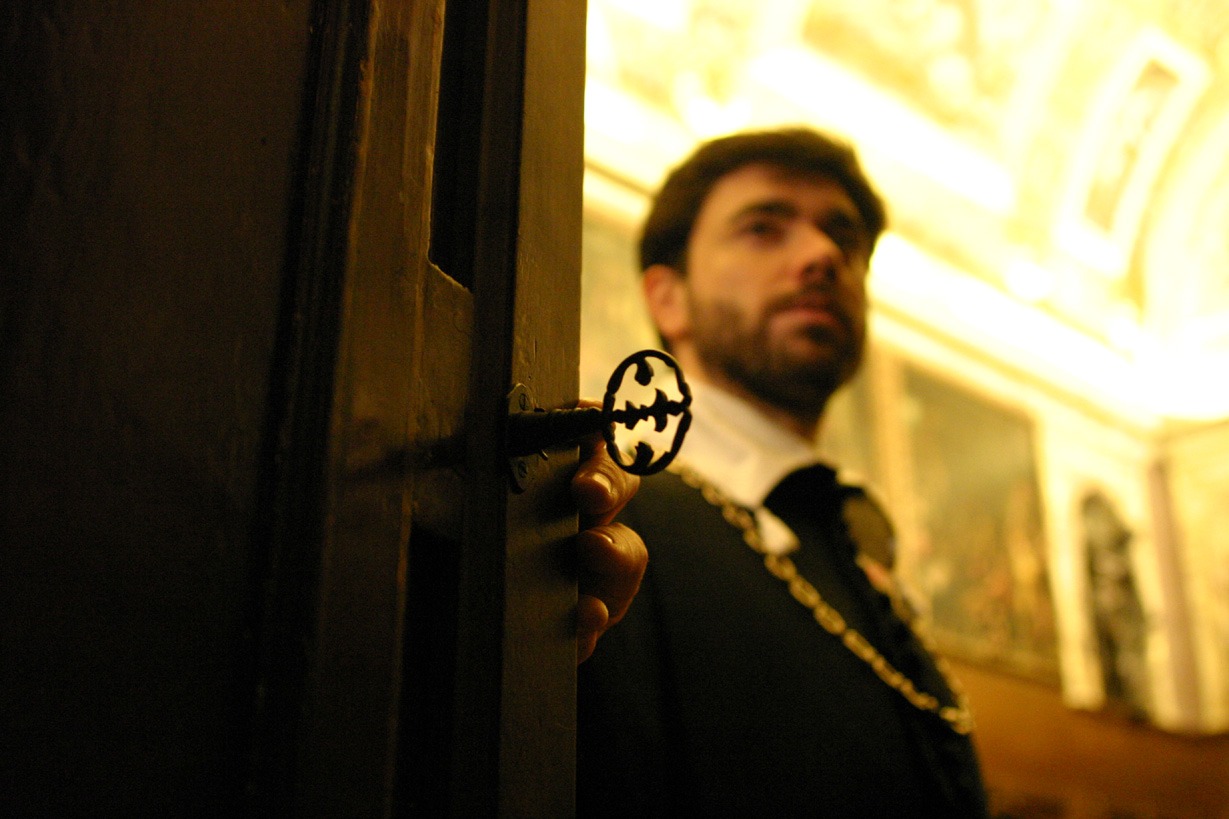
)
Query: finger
[
  {"x": 592, "y": 619},
  {"x": 611, "y": 560},
  {"x": 600, "y": 487}
]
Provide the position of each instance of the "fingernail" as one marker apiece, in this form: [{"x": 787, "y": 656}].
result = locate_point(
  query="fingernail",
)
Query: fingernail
[
  {"x": 603, "y": 481},
  {"x": 598, "y": 539}
]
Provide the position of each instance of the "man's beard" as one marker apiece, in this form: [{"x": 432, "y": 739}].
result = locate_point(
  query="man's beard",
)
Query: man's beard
[{"x": 800, "y": 385}]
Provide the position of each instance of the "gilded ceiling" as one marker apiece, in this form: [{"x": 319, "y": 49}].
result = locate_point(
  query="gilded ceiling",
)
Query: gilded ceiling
[{"x": 1058, "y": 170}]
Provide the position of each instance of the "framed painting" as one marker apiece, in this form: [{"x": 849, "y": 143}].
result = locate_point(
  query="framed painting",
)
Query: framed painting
[{"x": 974, "y": 551}]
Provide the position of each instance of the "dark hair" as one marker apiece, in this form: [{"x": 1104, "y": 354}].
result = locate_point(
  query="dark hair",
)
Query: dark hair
[{"x": 668, "y": 226}]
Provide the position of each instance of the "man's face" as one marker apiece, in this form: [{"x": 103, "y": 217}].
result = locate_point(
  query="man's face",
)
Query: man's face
[{"x": 773, "y": 300}]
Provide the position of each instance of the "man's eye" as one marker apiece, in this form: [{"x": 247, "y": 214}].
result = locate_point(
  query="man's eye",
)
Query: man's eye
[
  {"x": 848, "y": 238},
  {"x": 762, "y": 228}
]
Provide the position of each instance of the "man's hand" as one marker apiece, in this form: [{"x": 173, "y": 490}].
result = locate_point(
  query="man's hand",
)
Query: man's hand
[{"x": 611, "y": 558}]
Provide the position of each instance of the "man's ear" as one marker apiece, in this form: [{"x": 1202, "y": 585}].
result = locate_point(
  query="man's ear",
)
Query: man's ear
[{"x": 665, "y": 295}]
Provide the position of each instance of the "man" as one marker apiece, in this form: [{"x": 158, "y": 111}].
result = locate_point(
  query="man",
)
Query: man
[{"x": 759, "y": 671}]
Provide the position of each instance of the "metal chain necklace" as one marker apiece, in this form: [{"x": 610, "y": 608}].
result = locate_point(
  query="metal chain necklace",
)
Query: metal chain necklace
[{"x": 958, "y": 717}]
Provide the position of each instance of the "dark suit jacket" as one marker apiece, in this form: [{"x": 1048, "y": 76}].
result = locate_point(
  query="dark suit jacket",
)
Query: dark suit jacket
[{"x": 719, "y": 694}]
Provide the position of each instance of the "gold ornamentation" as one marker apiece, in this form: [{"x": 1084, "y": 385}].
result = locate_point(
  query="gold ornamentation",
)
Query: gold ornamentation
[{"x": 780, "y": 566}]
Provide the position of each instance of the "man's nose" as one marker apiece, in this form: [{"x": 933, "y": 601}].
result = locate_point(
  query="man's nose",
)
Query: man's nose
[{"x": 819, "y": 257}]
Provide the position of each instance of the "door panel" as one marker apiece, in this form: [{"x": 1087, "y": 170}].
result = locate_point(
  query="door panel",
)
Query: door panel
[{"x": 148, "y": 200}]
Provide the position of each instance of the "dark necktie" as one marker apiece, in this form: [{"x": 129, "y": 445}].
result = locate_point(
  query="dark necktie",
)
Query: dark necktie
[{"x": 812, "y": 503}]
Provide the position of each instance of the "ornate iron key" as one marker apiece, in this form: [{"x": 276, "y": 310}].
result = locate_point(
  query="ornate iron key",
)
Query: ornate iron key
[{"x": 653, "y": 393}]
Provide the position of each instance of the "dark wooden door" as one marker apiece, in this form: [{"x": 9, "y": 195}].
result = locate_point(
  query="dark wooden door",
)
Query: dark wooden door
[
  {"x": 443, "y": 665},
  {"x": 269, "y": 272}
]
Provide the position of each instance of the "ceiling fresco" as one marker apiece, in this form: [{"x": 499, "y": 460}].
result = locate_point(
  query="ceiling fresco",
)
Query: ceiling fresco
[{"x": 1057, "y": 170}]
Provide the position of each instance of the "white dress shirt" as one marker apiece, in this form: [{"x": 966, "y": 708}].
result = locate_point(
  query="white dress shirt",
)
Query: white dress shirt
[{"x": 744, "y": 454}]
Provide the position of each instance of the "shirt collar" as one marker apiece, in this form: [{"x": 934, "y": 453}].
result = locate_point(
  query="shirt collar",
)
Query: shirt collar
[{"x": 738, "y": 449}]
